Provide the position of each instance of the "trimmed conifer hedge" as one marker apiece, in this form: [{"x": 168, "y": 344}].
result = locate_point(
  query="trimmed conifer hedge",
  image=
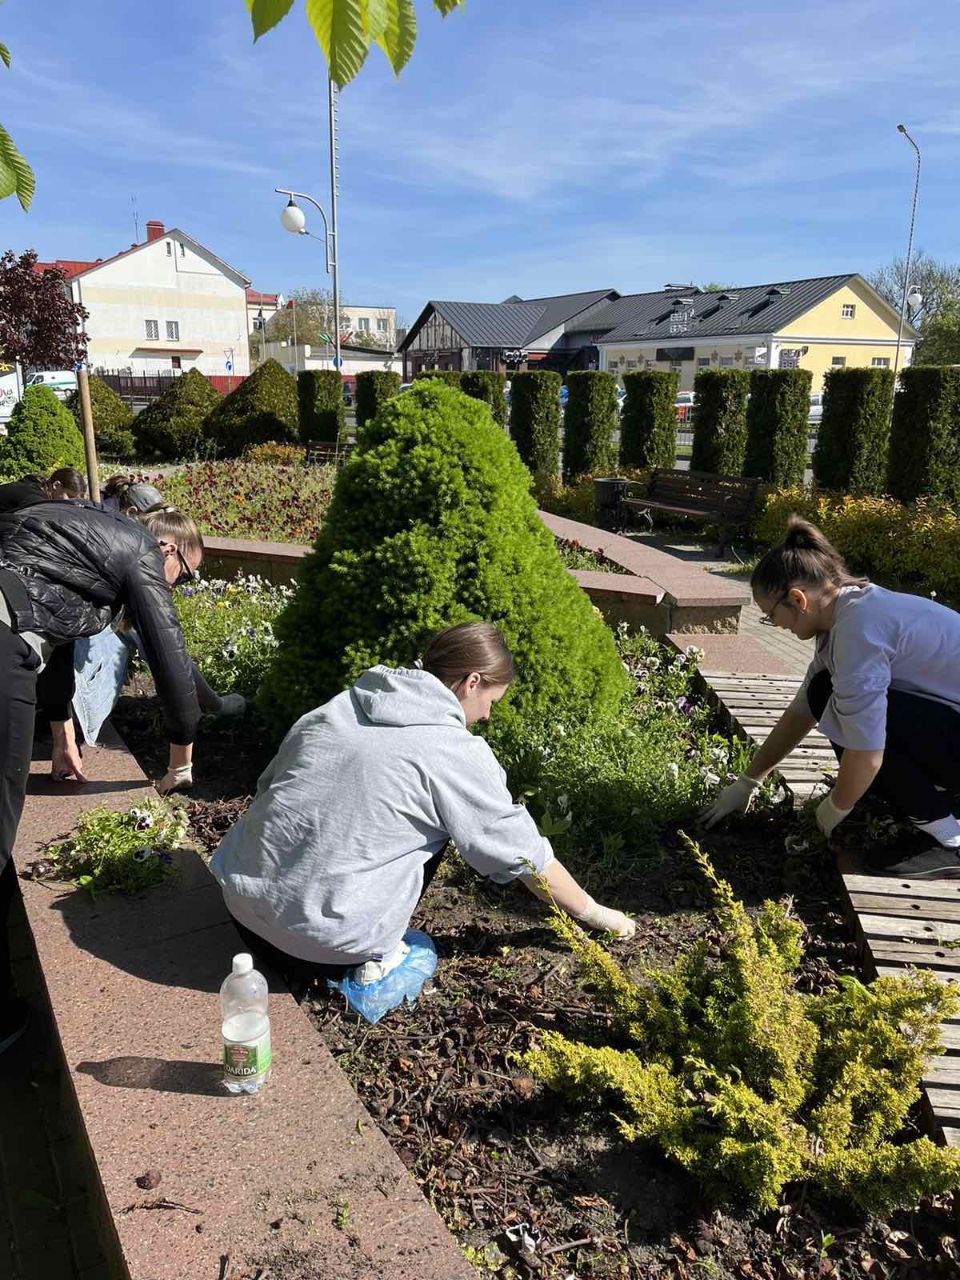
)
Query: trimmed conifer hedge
[
  {"x": 589, "y": 421},
  {"x": 720, "y": 421},
  {"x": 41, "y": 436},
  {"x": 320, "y": 407},
  {"x": 484, "y": 384},
  {"x": 777, "y": 428},
  {"x": 925, "y": 439},
  {"x": 853, "y": 440},
  {"x": 173, "y": 428},
  {"x": 432, "y": 523},
  {"x": 535, "y": 424},
  {"x": 262, "y": 408},
  {"x": 450, "y": 376},
  {"x": 112, "y": 420},
  {"x": 648, "y": 429},
  {"x": 374, "y": 388}
]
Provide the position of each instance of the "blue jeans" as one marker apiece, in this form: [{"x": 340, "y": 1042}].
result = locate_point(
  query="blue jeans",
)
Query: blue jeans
[{"x": 100, "y": 664}]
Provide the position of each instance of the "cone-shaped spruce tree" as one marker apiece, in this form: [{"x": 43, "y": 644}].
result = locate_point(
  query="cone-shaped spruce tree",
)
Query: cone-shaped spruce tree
[{"x": 432, "y": 523}]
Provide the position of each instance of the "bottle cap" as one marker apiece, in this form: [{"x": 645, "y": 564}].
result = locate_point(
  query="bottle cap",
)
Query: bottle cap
[{"x": 243, "y": 963}]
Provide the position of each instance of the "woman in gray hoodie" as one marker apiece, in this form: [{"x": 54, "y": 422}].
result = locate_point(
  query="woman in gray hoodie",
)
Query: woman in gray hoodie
[{"x": 350, "y": 819}]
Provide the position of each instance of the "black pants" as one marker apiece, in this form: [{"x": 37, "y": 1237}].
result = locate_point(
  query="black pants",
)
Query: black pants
[
  {"x": 299, "y": 972},
  {"x": 920, "y": 774},
  {"x": 18, "y": 701}
]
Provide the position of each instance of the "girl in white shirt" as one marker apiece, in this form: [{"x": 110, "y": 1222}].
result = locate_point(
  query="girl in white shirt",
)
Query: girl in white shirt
[{"x": 884, "y": 686}]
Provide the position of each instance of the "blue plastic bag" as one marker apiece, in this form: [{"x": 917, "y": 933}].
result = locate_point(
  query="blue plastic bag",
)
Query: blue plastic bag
[{"x": 373, "y": 999}]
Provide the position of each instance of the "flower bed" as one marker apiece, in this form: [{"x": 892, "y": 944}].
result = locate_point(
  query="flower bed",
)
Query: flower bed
[
  {"x": 253, "y": 500},
  {"x": 575, "y": 556},
  {"x": 228, "y": 628}
]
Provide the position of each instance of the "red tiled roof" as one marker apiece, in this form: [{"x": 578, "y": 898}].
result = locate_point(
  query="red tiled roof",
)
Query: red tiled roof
[
  {"x": 257, "y": 299},
  {"x": 67, "y": 266}
]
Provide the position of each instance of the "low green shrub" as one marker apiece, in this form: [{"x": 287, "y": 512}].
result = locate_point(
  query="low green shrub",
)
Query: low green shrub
[
  {"x": 450, "y": 376},
  {"x": 578, "y": 499},
  {"x": 535, "y": 425},
  {"x": 119, "y": 851},
  {"x": 912, "y": 546},
  {"x": 322, "y": 414},
  {"x": 263, "y": 407},
  {"x": 720, "y": 421},
  {"x": 41, "y": 436},
  {"x": 777, "y": 429},
  {"x": 589, "y": 421},
  {"x": 374, "y": 388},
  {"x": 432, "y": 523},
  {"x": 648, "y": 431},
  {"x": 112, "y": 420},
  {"x": 172, "y": 428},
  {"x": 228, "y": 629},
  {"x": 751, "y": 1085},
  {"x": 853, "y": 440},
  {"x": 484, "y": 384},
  {"x": 925, "y": 437}
]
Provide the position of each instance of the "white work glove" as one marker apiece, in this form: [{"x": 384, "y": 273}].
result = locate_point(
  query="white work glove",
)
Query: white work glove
[
  {"x": 594, "y": 916},
  {"x": 374, "y": 970},
  {"x": 232, "y": 704},
  {"x": 829, "y": 816},
  {"x": 736, "y": 797},
  {"x": 176, "y": 779}
]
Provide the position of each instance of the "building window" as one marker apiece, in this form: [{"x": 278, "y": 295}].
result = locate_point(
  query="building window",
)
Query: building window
[
  {"x": 345, "y": 322},
  {"x": 173, "y": 331},
  {"x": 848, "y": 311},
  {"x": 183, "y": 252},
  {"x": 880, "y": 362},
  {"x": 153, "y": 328},
  {"x": 726, "y": 362},
  {"x": 839, "y": 362},
  {"x": 175, "y": 362},
  {"x": 169, "y": 249},
  {"x": 631, "y": 364},
  {"x": 676, "y": 366},
  {"x": 703, "y": 362},
  {"x": 363, "y": 324},
  {"x": 383, "y": 326}
]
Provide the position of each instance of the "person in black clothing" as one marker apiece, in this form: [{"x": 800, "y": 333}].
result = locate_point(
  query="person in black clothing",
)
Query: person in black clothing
[
  {"x": 66, "y": 569},
  {"x": 63, "y": 485}
]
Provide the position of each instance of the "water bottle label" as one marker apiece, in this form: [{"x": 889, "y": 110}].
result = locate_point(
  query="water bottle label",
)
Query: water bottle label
[{"x": 243, "y": 1061}]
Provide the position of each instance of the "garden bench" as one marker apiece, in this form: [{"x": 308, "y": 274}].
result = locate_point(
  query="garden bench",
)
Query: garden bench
[
  {"x": 727, "y": 501},
  {"x": 328, "y": 451}
]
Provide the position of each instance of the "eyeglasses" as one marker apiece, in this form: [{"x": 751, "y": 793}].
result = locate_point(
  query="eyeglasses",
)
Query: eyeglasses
[
  {"x": 186, "y": 574},
  {"x": 766, "y": 619}
]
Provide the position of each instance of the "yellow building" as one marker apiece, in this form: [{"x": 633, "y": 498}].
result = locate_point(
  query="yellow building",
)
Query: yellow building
[{"x": 819, "y": 324}]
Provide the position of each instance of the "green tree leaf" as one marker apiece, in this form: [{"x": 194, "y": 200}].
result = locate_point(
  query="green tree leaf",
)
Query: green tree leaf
[
  {"x": 4, "y": 55},
  {"x": 448, "y": 6},
  {"x": 400, "y": 33},
  {"x": 339, "y": 28},
  {"x": 265, "y": 14},
  {"x": 16, "y": 176}
]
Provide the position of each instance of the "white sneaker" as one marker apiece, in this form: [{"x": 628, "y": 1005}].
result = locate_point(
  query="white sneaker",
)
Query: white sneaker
[{"x": 374, "y": 970}]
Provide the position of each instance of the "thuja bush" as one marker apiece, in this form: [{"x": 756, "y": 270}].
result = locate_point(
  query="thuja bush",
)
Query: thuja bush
[
  {"x": 720, "y": 421},
  {"x": 432, "y": 523},
  {"x": 925, "y": 440},
  {"x": 589, "y": 421},
  {"x": 320, "y": 405},
  {"x": 112, "y": 420},
  {"x": 41, "y": 436},
  {"x": 853, "y": 440},
  {"x": 484, "y": 384},
  {"x": 173, "y": 427},
  {"x": 262, "y": 408},
  {"x": 648, "y": 432},
  {"x": 777, "y": 425},
  {"x": 750, "y": 1084},
  {"x": 450, "y": 376},
  {"x": 374, "y": 388},
  {"x": 535, "y": 425}
]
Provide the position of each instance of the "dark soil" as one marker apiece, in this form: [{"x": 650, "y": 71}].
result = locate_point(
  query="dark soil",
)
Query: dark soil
[{"x": 515, "y": 1172}]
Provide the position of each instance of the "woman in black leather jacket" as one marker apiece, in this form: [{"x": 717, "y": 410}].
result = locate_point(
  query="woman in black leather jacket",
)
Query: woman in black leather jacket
[{"x": 66, "y": 570}]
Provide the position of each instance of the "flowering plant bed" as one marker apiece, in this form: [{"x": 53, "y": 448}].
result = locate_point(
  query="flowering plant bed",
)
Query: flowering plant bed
[
  {"x": 228, "y": 628},
  {"x": 253, "y": 500}
]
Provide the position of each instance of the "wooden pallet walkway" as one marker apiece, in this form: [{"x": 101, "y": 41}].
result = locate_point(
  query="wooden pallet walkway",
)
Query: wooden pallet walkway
[{"x": 752, "y": 704}]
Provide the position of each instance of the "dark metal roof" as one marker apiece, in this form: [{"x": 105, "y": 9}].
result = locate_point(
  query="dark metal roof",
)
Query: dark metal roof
[
  {"x": 685, "y": 314},
  {"x": 514, "y": 323}
]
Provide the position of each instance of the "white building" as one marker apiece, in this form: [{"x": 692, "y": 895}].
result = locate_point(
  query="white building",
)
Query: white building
[
  {"x": 359, "y": 324},
  {"x": 355, "y": 358},
  {"x": 168, "y": 304}
]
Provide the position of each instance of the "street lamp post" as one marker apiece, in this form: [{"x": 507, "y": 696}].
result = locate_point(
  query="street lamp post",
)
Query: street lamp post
[
  {"x": 914, "y": 291},
  {"x": 294, "y": 220},
  {"x": 261, "y": 323}
]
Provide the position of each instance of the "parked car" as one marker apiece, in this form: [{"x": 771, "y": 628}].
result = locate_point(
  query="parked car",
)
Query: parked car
[
  {"x": 60, "y": 381},
  {"x": 564, "y": 395},
  {"x": 816, "y": 408},
  {"x": 684, "y": 405},
  {"x": 405, "y": 386}
]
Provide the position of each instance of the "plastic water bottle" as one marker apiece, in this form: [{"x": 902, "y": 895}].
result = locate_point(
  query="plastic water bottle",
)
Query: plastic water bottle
[{"x": 246, "y": 1027}]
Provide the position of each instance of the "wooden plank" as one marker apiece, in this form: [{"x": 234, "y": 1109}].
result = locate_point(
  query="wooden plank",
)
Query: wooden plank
[
  {"x": 944, "y": 1101},
  {"x": 904, "y": 905},
  {"x": 875, "y": 926},
  {"x": 889, "y": 885},
  {"x": 891, "y": 971},
  {"x": 943, "y": 1073},
  {"x": 923, "y": 957}
]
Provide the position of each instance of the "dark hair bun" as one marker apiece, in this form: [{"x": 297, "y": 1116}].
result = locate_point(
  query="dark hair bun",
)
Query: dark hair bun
[{"x": 801, "y": 535}]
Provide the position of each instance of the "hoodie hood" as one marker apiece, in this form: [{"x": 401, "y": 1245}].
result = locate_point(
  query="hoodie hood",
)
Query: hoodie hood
[{"x": 402, "y": 696}]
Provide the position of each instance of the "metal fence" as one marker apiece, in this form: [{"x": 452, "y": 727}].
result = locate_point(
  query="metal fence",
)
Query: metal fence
[{"x": 141, "y": 388}]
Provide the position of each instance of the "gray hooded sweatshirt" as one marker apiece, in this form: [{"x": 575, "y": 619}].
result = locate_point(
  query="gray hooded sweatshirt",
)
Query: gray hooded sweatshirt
[{"x": 327, "y": 863}]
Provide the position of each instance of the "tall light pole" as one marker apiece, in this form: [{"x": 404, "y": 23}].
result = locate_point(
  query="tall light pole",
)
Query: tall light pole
[
  {"x": 906, "y": 270},
  {"x": 261, "y": 325}
]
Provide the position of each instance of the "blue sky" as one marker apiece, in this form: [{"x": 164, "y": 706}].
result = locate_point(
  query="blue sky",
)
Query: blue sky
[{"x": 534, "y": 147}]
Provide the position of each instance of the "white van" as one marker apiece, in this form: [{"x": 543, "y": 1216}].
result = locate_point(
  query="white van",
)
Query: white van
[{"x": 60, "y": 381}]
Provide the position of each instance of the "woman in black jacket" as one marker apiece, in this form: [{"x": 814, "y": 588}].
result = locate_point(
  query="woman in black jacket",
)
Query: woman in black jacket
[{"x": 66, "y": 569}]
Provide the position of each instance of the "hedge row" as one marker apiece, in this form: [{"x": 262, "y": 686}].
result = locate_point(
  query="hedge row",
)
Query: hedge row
[
  {"x": 374, "y": 388},
  {"x": 648, "y": 431},
  {"x": 720, "y": 421},
  {"x": 591, "y": 417},
  {"x": 853, "y": 442},
  {"x": 535, "y": 424},
  {"x": 777, "y": 426}
]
